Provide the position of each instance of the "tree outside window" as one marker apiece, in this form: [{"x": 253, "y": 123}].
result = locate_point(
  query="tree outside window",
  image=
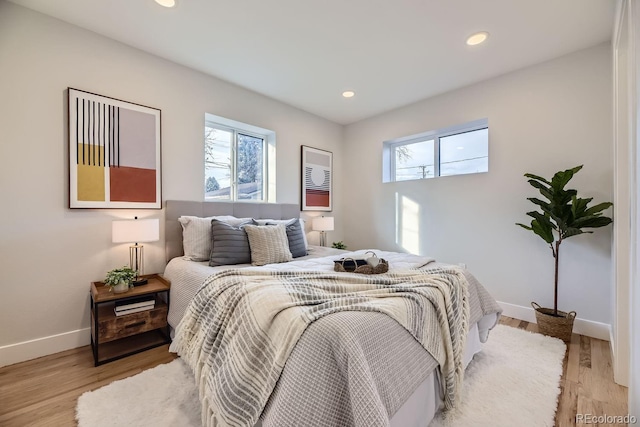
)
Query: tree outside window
[{"x": 234, "y": 164}]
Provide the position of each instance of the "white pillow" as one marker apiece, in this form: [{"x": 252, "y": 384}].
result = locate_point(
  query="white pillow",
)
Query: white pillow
[
  {"x": 196, "y": 234},
  {"x": 303, "y": 224},
  {"x": 285, "y": 221},
  {"x": 269, "y": 244}
]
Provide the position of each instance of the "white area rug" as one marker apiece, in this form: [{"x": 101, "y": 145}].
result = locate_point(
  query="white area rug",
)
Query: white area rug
[
  {"x": 162, "y": 396},
  {"x": 513, "y": 382}
]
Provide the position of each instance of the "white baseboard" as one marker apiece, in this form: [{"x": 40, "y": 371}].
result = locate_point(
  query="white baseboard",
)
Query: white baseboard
[
  {"x": 585, "y": 327},
  {"x": 32, "y": 349}
]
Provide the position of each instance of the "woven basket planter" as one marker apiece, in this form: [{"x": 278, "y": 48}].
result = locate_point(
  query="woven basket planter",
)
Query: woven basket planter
[{"x": 558, "y": 327}]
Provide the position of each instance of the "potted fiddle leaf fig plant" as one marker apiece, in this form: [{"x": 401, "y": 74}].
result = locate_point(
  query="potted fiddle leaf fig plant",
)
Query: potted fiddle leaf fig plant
[
  {"x": 120, "y": 279},
  {"x": 562, "y": 214}
]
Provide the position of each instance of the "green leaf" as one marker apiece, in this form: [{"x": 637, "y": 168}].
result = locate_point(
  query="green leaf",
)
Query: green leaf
[
  {"x": 573, "y": 232},
  {"x": 526, "y": 227},
  {"x": 544, "y": 190},
  {"x": 592, "y": 222},
  {"x": 539, "y": 216},
  {"x": 563, "y": 197},
  {"x": 550, "y": 219},
  {"x": 598, "y": 208},
  {"x": 579, "y": 206},
  {"x": 545, "y": 206},
  {"x": 562, "y": 178},
  {"x": 536, "y": 177},
  {"x": 543, "y": 230}
]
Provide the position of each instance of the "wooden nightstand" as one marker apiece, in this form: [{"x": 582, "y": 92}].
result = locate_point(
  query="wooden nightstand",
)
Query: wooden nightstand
[{"x": 114, "y": 337}]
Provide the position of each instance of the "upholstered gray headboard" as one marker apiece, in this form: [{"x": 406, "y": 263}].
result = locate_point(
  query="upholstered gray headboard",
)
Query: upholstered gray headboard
[{"x": 174, "y": 209}]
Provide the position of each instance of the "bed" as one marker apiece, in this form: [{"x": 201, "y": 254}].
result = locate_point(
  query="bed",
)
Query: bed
[{"x": 348, "y": 368}]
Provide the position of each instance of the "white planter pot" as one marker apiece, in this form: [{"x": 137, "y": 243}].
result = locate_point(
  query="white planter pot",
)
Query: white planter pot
[{"x": 121, "y": 287}]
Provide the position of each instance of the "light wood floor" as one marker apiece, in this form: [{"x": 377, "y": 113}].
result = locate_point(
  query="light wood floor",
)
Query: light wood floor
[{"x": 43, "y": 392}]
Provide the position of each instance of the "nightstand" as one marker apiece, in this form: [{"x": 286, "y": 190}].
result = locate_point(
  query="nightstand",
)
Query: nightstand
[{"x": 114, "y": 337}]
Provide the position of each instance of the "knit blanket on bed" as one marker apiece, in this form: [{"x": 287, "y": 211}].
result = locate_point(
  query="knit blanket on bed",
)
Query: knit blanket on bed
[{"x": 240, "y": 328}]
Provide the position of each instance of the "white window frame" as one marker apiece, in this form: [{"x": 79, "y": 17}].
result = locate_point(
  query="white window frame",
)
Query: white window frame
[
  {"x": 269, "y": 158},
  {"x": 389, "y": 147}
]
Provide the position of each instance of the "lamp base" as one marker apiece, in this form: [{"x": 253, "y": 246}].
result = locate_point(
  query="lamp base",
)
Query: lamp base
[
  {"x": 140, "y": 282},
  {"x": 136, "y": 261}
]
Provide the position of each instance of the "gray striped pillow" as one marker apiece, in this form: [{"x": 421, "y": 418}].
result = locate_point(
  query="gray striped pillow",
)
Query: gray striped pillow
[
  {"x": 229, "y": 243},
  {"x": 295, "y": 236},
  {"x": 269, "y": 244}
]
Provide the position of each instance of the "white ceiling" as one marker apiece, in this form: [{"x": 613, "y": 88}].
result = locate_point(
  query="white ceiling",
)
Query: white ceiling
[{"x": 390, "y": 52}]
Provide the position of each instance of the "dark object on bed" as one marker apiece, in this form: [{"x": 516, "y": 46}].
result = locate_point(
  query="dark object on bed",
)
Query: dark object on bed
[{"x": 361, "y": 266}]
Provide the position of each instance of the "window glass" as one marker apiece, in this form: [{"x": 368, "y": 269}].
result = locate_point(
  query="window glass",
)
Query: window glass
[
  {"x": 464, "y": 153},
  {"x": 415, "y": 160},
  {"x": 217, "y": 163},
  {"x": 250, "y": 167}
]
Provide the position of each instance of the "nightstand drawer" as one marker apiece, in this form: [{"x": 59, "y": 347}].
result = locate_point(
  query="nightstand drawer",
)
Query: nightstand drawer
[{"x": 113, "y": 328}]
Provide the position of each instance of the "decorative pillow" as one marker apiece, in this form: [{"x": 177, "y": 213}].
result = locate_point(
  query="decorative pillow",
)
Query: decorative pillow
[
  {"x": 295, "y": 236},
  {"x": 229, "y": 243},
  {"x": 287, "y": 221},
  {"x": 196, "y": 235},
  {"x": 269, "y": 244}
]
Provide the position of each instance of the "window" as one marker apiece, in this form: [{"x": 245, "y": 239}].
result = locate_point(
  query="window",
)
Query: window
[
  {"x": 239, "y": 161},
  {"x": 456, "y": 150}
]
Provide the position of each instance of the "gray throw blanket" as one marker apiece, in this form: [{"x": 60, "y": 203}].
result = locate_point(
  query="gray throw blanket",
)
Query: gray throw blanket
[{"x": 242, "y": 325}]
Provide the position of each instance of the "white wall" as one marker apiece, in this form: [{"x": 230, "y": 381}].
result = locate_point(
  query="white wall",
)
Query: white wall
[
  {"x": 48, "y": 253},
  {"x": 542, "y": 119}
]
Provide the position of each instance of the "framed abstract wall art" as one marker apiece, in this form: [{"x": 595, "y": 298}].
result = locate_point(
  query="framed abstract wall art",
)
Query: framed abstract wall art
[
  {"x": 114, "y": 153},
  {"x": 317, "y": 177}
]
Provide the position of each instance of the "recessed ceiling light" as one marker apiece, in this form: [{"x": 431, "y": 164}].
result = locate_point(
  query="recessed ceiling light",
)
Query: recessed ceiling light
[
  {"x": 166, "y": 3},
  {"x": 348, "y": 93},
  {"x": 476, "y": 38},
  {"x": 460, "y": 148}
]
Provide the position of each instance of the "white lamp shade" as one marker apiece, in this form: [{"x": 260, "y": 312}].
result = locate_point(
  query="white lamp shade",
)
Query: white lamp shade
[
  {"x": 135, "y": 231},
  {"x": 323, "y": 223}
]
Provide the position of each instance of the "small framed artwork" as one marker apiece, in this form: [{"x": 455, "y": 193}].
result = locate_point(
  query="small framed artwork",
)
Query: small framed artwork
[
  {"x": 317, "y": 179},
  {"x": 114, "y": 153}
]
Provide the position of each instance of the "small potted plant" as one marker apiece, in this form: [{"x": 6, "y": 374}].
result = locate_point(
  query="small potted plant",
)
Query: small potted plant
[
  {"x": 120, "y": 279},
  {"x": 339, "y": 245},
  {"x": 563, "y": 215}
]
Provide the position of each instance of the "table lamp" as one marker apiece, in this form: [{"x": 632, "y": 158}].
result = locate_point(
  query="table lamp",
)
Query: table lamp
[
  {"x": 136, "y": 231},
  {"x": 322, "y": 224}
]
